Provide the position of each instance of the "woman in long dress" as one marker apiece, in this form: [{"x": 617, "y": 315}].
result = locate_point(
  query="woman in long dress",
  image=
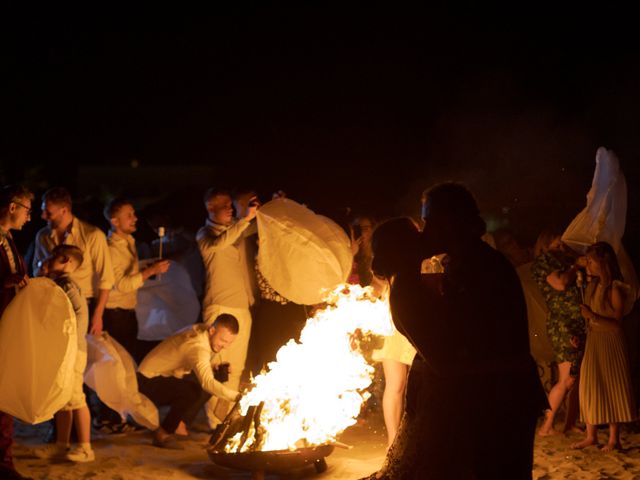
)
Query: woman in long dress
[{"x": 606, "y": 394}]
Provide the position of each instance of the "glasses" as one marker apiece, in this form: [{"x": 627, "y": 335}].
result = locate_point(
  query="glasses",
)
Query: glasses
[{"x": 29, "y": 209}]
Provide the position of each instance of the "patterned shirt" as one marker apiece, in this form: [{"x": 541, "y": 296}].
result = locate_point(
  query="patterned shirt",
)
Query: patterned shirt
[{"x": 4, "y": 239}]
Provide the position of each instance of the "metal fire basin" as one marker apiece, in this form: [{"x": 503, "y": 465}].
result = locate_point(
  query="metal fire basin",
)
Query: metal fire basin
[{"x": 275, "y": 460}]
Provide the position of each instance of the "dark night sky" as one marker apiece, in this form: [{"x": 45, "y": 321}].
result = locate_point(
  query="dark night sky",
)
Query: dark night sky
[{"x": 336, "y": 109}]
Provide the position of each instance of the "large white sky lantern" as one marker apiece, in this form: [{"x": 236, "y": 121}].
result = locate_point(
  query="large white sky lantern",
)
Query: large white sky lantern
[
  {"x": 603, "y": 219},
  {"x": 301, "y": 254},
  {"x": 38, "y": 345}
]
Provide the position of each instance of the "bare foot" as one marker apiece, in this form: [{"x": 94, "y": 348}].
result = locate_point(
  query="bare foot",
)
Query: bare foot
[
  {"x": 584, "y": 443},
  {"x": 547, "y": 432},
  {"x": 610, "y": 447},
  {"x": 573, "y": 429}
]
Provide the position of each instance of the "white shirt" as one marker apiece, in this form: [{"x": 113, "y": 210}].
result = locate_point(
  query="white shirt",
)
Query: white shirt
[
  {"x": 183, "y": 352},
  {"x": 95, "y": 273},
  {"x": 126, "y": 271},
  {"x": 224, "y": 254}
]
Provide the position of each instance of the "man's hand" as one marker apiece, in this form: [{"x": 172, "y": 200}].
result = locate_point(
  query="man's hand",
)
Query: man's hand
[
  {"x": 252, "y": 208},
  {"x": 161, "y": 266},
  {"x": 96, "y": 324}
]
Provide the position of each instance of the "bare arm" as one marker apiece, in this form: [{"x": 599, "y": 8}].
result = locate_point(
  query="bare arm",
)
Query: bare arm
[
  {"x": 96, "y": 318},
  {"x": 560, "y": 280},
  {"x": 597, "y": 320}
]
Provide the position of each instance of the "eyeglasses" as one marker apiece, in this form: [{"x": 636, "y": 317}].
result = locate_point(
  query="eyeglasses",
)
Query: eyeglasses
[{"x": 29, "y": 210}]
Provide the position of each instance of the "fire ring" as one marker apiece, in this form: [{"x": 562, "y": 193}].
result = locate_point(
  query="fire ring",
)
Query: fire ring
[{"x": 274, "y": 461}]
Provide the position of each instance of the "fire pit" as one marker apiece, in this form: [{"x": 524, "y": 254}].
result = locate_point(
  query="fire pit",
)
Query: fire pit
[
  {"x": 275, "y": 461},
  {"x": 293, "y": 412},
  {"x": 257, "y": 461}
]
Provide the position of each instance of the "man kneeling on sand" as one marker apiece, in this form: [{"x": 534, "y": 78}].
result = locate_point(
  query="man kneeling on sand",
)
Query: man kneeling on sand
[{"x": 178, "y": 372}]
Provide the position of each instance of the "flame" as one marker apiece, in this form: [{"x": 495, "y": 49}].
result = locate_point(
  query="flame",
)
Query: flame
[{"x": 315, "y": 389}]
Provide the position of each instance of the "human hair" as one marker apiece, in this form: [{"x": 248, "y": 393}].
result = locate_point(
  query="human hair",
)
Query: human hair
[
  {"x": 68, "y": 251},
  {"x": 113, "y": 207},
  {"x": 545, "y": 239},
  {"x": 395, "y": 245},
  {"x": 214, "y": 192},
  {"x": 13, "y": 193},
  {"x": 454, "y": 203},
  {"x": 57, "y": 196},
  {"x": 605, "y": 255},
  {"x": 242, "y": 191},
  {"x": 227, "y": 321}
]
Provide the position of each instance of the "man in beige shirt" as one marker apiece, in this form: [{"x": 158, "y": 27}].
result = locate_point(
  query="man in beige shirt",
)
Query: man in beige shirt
[
  {"x": 95, "y": 274},
  {"x": 179, "y": 372},
  {"x": 228, "y": 287},
  {"x": 120, "y": 315}
]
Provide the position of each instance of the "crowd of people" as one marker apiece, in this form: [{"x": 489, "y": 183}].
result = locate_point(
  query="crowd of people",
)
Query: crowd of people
[{"x": 463, "y": 394}]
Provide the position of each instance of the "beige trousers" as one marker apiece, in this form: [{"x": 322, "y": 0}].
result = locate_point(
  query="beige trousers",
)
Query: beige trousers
[{"x": 235, "y": 355}]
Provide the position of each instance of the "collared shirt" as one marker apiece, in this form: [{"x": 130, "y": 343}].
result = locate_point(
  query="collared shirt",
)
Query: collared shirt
[
  {"x": 95, "y": 273},
  {"x": 5, "y": 239},
  {"x": 126, "y": 271},
  {"x": 188, "y": 350},
  {"x": 224, "y": 255},
  {"x": 79, "y": 305}
]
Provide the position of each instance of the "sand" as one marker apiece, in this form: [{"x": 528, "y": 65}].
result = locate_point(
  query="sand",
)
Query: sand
[{"x": 132, "y": 457}]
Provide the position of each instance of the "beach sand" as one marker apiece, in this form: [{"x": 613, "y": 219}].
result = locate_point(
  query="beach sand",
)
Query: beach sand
[{"x": 132, "y": 457}]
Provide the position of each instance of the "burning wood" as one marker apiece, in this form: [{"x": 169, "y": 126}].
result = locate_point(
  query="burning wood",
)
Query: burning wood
[{"x": 316, "y": 388}]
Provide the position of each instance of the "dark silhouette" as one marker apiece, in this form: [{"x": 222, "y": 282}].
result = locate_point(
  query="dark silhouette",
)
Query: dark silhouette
[{"x": 474, "y": 395}]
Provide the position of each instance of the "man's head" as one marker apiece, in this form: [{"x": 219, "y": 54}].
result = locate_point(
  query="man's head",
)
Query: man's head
[
  {"x": 120, "y": 213},
  {"x": 15, "y": 206},
  {"x": 241, "y": 199},
  {"x": 223, "y": 332},
  {"x": 218, "y": 204},
  {"x": 395, "y": 246},
  {"x": 56, "y": 207},
  {"x": 63, "y": 259},
  {"x": 451, "y": 218}
]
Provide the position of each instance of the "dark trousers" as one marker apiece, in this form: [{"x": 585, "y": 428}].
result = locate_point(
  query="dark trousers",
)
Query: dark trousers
[
  {"x": 122, "y": 325},
  {"x": 184, "y": 396},
  {"x": 6, "y": 439}
]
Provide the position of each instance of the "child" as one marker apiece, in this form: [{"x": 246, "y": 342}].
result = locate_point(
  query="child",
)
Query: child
[
  {"x": 64, "y": 260},
  {"x": 605, "y": 380}
]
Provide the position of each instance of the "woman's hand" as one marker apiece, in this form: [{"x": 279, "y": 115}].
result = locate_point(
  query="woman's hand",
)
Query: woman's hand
[{"x": 587, "y": 313}]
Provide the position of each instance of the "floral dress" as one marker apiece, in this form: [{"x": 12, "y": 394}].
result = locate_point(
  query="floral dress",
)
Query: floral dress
[{"x": 565, "y": 320}]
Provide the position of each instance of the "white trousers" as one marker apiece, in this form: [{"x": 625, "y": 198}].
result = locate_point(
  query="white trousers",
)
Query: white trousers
[{"x": 235, "y": 354}]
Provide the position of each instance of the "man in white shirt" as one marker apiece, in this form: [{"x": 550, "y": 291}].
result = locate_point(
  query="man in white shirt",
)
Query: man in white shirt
[
  {"x": 179, "y": 373},
  {"x": 95, "y": 274},
  {"x": 228, "y": 287},
  {"x": 120, "y": 315}
]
